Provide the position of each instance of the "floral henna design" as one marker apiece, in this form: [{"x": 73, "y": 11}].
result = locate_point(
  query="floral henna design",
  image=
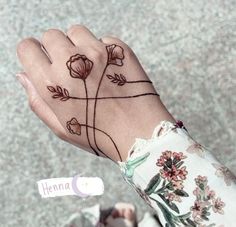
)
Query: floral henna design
[
  {"x": 120, "y": 80},
  {"x": 74, "y": 127},
  {"x": 63, "y": 94},
  {"x": 111, "y": 97},
  {"x": 115, "y": 55},
  {"x": 80, "y": 67}
]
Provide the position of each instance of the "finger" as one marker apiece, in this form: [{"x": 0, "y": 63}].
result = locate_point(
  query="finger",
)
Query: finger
[
  {"x": 55, "y": 41},
  {"x": 32, "y": 57},
  {"x": 40, "y": 108},
  {"x": 79, "y": 34}
]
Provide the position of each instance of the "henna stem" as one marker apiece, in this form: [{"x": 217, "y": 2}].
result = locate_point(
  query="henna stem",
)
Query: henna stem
[
  {"x": 86, "y": 92},
  {"x": 115, "y": 97},
  {"x": 105, "y": 134},
  {"x": 138, "y": 81},
  {"x": 94, "y": 113}
]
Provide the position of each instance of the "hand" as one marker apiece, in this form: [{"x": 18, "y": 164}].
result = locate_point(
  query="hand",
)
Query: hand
[{"x": 91, "y": 93}]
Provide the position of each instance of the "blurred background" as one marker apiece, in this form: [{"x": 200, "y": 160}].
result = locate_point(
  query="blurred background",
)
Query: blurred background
[{"x": 188, "y": 49}]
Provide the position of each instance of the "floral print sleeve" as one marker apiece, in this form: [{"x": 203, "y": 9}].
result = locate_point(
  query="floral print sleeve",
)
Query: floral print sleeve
[{"x": 180, "y": 179}]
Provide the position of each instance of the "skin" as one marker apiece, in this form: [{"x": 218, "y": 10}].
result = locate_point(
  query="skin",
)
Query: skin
[{"x": 122, "y": 119}]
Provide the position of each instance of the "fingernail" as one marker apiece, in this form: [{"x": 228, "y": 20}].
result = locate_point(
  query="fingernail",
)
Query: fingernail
[{"x": 21, "y": 79}]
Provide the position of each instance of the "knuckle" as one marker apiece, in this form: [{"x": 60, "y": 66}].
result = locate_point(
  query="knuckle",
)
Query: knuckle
[{"x": 97, "y": 54}]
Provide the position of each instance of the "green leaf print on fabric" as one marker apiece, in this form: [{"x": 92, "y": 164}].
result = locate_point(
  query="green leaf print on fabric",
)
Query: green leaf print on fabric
[
  {"x": 130, "y": 165},
  {"x": 152, "y": 185}
]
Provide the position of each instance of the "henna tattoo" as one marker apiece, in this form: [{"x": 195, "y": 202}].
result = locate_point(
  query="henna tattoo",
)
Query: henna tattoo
[
  {"x": 121, "y": 80},
  {"x": 80, "y": 67},
  {"x": 63, "y": 94},
  {"x": 117, "y": 97},
  {"x": 115, "y": 56},
  {"x": 74, "y": 127},
  {"x": 86, "y": 92},
  {"x": 66, "y": 96}
]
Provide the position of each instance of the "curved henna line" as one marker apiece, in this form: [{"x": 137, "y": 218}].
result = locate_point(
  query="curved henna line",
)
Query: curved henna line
[
  {"x": 115, "y": 97},
  {"x": 95, "y": 105},
  {"x": 86, "y": 92},
  {"x": 106, "y": 135},
  {"x": 109, "y": 55}
]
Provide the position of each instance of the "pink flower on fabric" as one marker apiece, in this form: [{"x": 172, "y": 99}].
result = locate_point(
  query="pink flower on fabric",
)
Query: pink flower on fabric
[
  {"x": 178, "y": 184},
  {"x": 178, "y": 155},
  {"x": 210, "y": 194},
  {"x": 168, "y": 155},
  {"x": 201, "y": 180},
  {"x": 79, "y": 66},
  {"x": 115, "y": 54},
  {"x": 197, "y": 208},
  {"x": 182, "y": 173},
  {"x": 218, "y": 205},
  {"x": 224, "y": 172},
  {"x": 170, "y": 174},
  {"x": 196, "y": 148}
]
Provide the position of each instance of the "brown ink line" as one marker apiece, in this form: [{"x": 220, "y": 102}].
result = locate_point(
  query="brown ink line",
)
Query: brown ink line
[
  {"x": 105, "y": 134},
  {"x": 95, "y": 108},
  {"x": 139, "y": 81},
  {"x": 115, "y": 97},
  {"x": 86, "y": 92}
]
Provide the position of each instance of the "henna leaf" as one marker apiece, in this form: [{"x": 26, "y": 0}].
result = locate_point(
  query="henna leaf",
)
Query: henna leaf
[
  {"x": 59, "y": 92},
  {"x": 56, "y": 96},
  {"x": 120, "y": 80},
  {"x": 152, "y": 185},
  {"x": 66, "y": 92},
  {"x": 109, "y": 76},
  {"x": 64, "y": 98},
  {"x": 51, "y": 88},
  {"x": 169, "y": 203},
  {"x": 59, "y": 89},
  {"x": 180, "y": 192}
]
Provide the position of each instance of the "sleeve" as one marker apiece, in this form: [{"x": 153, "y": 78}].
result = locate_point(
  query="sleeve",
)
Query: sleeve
[{"x": 180, "y": 179}]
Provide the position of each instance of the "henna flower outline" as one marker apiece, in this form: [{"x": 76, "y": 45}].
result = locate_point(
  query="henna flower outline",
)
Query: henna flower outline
[
  {"x": 79, "y": 66},
  {"x": 73, "y": 126},
  {"x": 115, "y": 54}
]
